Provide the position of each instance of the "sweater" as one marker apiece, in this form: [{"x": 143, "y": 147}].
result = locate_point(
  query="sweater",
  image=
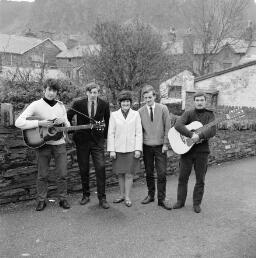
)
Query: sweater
[
  {"x": 156, "y": 132},
  {"x": 43, "y": 111},
  {"x": 204, "y": 116}
]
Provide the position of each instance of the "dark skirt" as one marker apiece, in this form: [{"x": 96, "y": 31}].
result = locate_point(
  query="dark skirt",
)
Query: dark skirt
[{"x": 126, "y": 163}]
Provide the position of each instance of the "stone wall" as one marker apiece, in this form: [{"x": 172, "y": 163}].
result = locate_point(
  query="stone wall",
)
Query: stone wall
[{"x": 18, "y": 163}]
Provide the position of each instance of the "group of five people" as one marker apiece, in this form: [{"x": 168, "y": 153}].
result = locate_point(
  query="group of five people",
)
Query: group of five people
[{"x": 129, "y": 134}]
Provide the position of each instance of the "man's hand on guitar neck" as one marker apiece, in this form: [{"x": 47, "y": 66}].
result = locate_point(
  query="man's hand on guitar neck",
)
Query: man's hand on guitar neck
[
  {"x": 195, "y": 138},
  {"x": 46, "y": 123}
]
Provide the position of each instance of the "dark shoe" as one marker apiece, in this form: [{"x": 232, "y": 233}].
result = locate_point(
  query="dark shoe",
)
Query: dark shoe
[
  {"x": 165, "y": 204},
  {"x": 147, "y": 200},
  {"x": 178, "y": 205},
  {"x": 128, "y": 203},
  {"x": 84, "y": 200},
  {"x": 197, "y": 208},
  {"x": 104, "y": 204},
  {"x": 118, "y": 200},
  {"x": 64, "y": 204},
  {"x": 40, "y": 205}
]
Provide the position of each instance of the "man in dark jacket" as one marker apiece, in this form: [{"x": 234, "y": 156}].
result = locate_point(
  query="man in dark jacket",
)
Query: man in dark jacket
[
  {"x": 198, "y": 154},
  {"x": 91, "y": 141}
]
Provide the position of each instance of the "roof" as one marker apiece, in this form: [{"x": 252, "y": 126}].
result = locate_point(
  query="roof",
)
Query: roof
[
  {"x": 239, "y": 46},
  {"x": 20, "y": 44},
  {"x": 231, "y": 69},
  {"x": 174, "y": 48},
  {"x": 78, "y": 51}
]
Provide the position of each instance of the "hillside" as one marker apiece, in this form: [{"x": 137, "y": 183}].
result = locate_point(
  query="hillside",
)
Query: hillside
[{"x": 78, "y": 16}]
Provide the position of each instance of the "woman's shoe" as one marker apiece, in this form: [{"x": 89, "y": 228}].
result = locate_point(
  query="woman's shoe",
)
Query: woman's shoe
[
  {"x": 118, "y": 200},
  {"x": 128, "y": 203}
]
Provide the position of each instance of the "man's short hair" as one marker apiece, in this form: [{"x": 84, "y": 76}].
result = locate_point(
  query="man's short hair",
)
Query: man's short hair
[
  {"x": 199, "y": 94},
  {"x": 53, "y": 84},
  {"x": 124, "y": 95},
  {"x": 147, "y": 89},
  {"x": 92, "y": 85}
]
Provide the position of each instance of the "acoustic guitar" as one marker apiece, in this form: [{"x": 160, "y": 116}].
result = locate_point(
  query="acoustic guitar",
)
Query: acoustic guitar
[
  {"x": 182, "y": 144},
  {"x": 37, "y": 137}
]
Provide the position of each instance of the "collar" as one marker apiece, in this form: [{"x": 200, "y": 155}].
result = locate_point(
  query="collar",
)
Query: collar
[{"x": 153, "y": 106}]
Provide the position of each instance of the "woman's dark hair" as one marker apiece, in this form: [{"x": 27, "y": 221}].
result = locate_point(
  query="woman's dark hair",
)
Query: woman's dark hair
[
  {"x": 52, "y": 84},
  {"x": 124, "y": 95}
]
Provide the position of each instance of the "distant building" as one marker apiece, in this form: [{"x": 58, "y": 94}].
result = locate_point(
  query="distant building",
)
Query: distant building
[
  {"x": 188, "y": 51},
  {"x": 18, "y": 51},
  {"x": 71, "y": 61}
]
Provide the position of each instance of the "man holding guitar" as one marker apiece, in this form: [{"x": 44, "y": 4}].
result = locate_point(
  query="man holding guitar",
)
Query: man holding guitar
[
  {"x": 87, "y": 110},
  {"x": 198, "y": 154},
  {"x": 49, "y": 112}
]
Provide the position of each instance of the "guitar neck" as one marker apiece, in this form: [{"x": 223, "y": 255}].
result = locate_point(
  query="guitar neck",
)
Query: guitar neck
[
  {"x": 73, "y": 128},
  {"x": 213, "y": 123}
]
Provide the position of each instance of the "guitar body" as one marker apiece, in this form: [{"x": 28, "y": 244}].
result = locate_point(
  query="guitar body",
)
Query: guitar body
[
  {"x": 180, "y": 143},
  {"x": 37, "y": 137}
]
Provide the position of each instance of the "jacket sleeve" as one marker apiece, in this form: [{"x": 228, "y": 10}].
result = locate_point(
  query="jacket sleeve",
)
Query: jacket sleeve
[
  {"x": 71, "y": 112},
  {"x": 67, "y": 123},
  {"x": 22, "y": 121},
  {"x": 111, "y": 134},
  {"x": 138, "y": 133},
  {"x": 181, "y": 123},
  {"x": 106, "y": 119},
  {"x": 210, "y": 132},
  {"x": 167, "y": 123}
]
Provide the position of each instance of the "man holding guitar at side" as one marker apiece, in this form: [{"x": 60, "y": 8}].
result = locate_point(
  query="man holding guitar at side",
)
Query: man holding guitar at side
[
  {"x": 89, "y": 110},
  {"x": 198, "y": 154},
  {"x": 48, "y": 112}
]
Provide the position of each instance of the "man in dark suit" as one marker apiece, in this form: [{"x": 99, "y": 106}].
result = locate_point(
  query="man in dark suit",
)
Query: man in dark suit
[{"x": 91, "y": 141}]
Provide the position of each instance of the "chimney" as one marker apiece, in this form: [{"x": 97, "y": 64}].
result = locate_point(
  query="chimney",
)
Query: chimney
[
  {"x": 188, "y": 42},
  {"x": 248, "y": 34},
  {"x": 172, "y": 34},
  {"x": 71, "y": 43}
]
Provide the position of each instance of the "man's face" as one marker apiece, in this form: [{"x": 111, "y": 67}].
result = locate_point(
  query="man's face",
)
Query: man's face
[
  {"x": 93, "y": 94},
  {"x": 200, "y": 102},
  {"x": 50, "y": 93},
  {"x": 149, "y": 98}
]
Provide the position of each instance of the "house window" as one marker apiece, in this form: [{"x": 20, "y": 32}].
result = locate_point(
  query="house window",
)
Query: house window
[
  {"x": 174, "y": 92},
  {"x": 69, "y": 59},
  {"x": 227, "y": 65},
  {"x": 68, "y": 74}
]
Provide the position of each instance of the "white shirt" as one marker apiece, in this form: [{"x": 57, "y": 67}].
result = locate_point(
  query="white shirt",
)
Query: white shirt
[{"x": 153, "y": 109}]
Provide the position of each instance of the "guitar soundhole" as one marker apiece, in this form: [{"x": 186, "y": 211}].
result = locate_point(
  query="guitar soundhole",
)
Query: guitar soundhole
[{"x": 51, "y": 131}]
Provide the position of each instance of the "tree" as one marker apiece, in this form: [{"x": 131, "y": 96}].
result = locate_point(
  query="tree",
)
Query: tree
[
  {"x": 129, "y": 56},
  {"x": 215, "y": 24}
]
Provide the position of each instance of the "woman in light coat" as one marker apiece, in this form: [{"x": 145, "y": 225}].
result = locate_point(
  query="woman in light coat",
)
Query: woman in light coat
[{"x": 125, "y": 145}]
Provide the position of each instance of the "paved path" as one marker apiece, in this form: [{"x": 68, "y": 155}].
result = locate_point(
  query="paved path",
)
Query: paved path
[{"x": 225, "y": 228}]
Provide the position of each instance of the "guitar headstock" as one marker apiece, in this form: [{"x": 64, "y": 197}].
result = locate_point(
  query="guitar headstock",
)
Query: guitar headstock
[
  {"x": 99, "y": 125},
  {"x": 235, "y": 113}
]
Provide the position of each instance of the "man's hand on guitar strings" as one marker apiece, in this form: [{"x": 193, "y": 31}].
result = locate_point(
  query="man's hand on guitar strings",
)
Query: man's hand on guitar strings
[
  {"x": 195, "y": 137},
  {"x": 46, "y": 123}
]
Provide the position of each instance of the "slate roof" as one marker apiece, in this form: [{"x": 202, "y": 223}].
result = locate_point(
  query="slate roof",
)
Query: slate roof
[
  {"x": 19, "y": 44},
  {"x": 78, "y": 51}
]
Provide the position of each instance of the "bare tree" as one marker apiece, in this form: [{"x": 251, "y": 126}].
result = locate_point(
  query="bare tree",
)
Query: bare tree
[
  {"x": 214, "y": 23},
  {"x": 129, "y": 56}
]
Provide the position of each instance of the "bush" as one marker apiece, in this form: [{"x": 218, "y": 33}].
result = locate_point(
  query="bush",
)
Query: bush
[{"x": 21, "y": 93}]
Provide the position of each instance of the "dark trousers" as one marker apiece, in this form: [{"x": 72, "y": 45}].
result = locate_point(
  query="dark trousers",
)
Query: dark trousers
[
  {"x": 199, "y": 160},
  {"x": 44, "y": 156},
  {"x": 153, "y": 157},
  {"x": 96, "y": 149}
]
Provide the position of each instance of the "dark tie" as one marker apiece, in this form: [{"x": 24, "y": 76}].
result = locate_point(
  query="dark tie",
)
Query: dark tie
[
  {"x": 151, "y": 114},
  {"x": 92, "y": 109}
]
